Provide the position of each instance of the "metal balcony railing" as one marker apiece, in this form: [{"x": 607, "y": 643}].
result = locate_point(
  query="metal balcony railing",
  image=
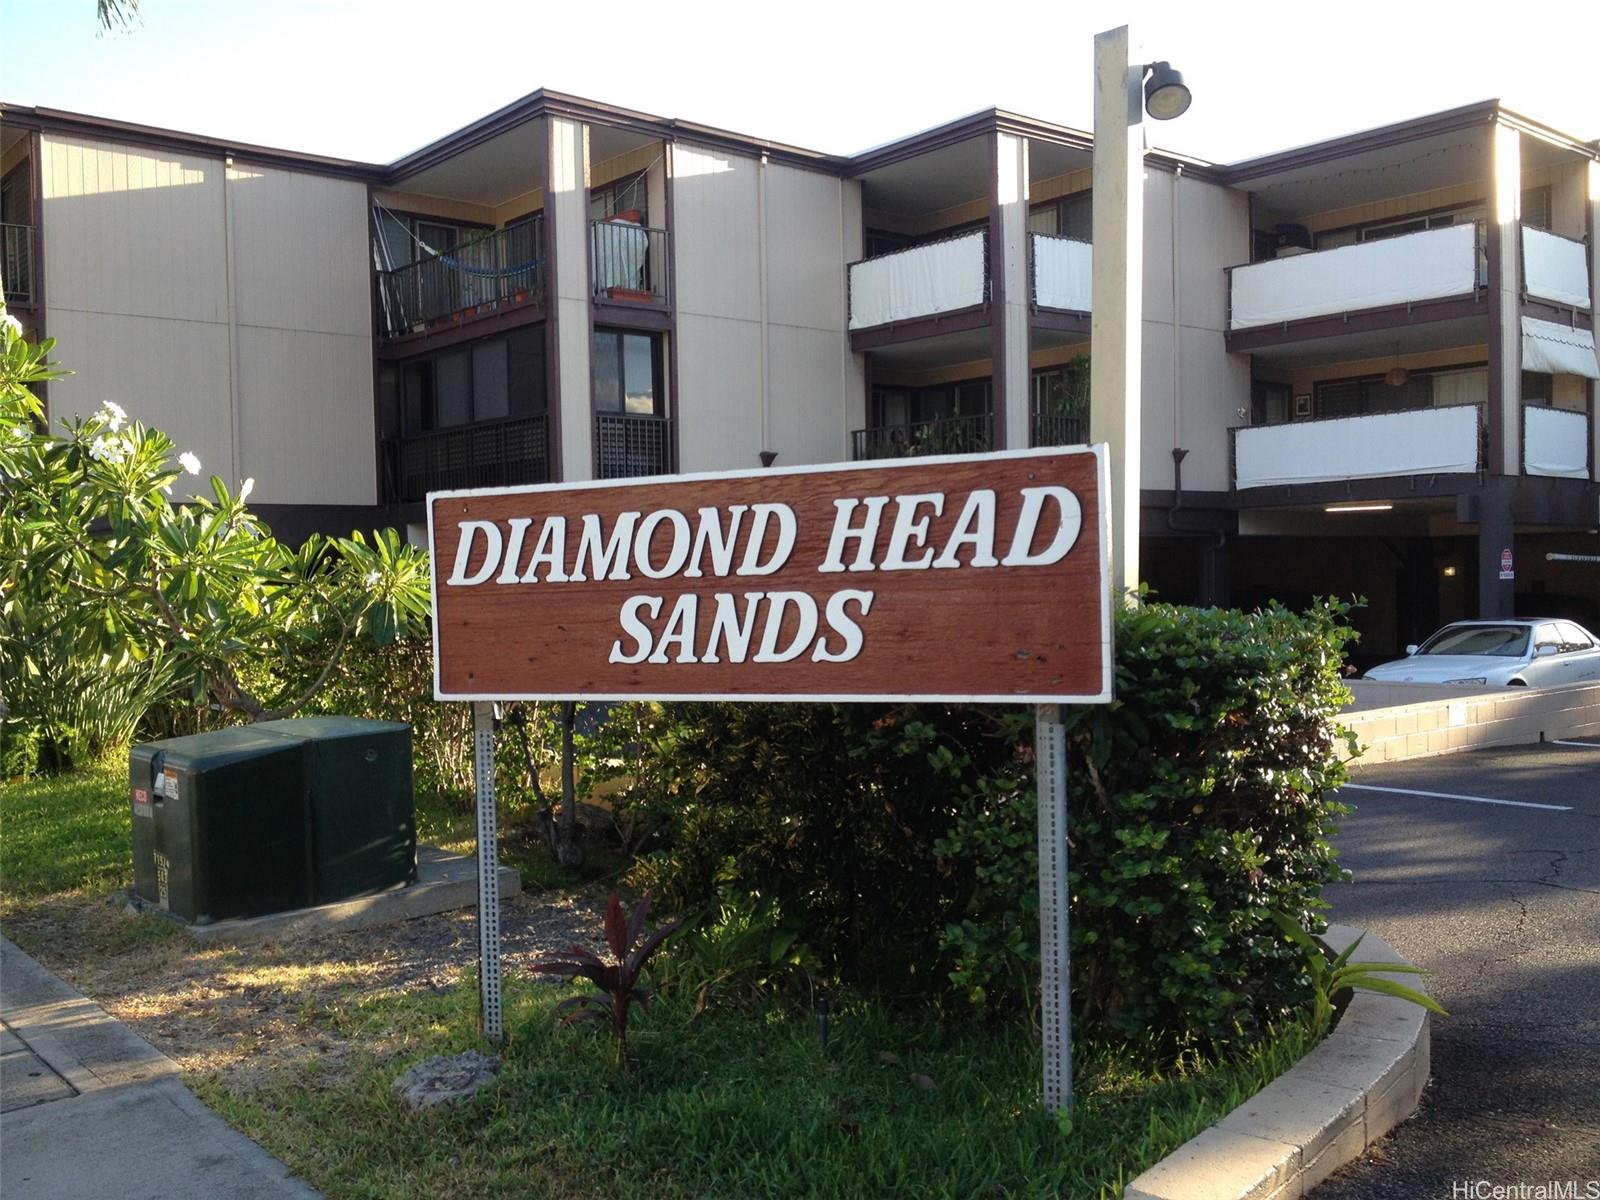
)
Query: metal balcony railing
[
  {"x": 496, "y": 454},
  {"x": 945, "y": 275},
  {"x": 1057, "y": 429},
  {"x": 944, "y": 435},
  {"x": 628, "y": 263},
  {"x": 491, "y": 272},
  {"x": 629, "y": 444},
  {"x": 16, "y": 263},
  {"x": 1062, "y": 272}
]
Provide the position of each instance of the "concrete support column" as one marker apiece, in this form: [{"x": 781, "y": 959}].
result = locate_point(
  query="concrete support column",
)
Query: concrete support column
[
  {"x": 853, "y": 383},
  {"x": 1012, "y": 296},
  {"x": 571, "y": 398},
  {"x": 1496, "y": 535},
  {"x": 1504, "y": 244},
  {"x": 1118, "y": 290}
]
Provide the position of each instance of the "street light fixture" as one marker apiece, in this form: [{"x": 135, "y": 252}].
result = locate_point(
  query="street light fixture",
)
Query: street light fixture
[{"x": 1165, "y": 94}]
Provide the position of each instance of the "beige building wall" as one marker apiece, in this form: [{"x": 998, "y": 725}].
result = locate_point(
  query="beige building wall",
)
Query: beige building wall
[
  {"x": 1193, "y": 388},
  {"x": 762, "y": 355},
  {"x": 228, "y": 307}
]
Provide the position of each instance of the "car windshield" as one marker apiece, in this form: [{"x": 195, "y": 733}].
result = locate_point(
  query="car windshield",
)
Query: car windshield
[{"x": 1506, "y": 641}]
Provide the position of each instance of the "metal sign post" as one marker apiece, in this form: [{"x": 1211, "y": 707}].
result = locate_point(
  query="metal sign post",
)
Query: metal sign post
[
  {"x": 488, "y": 872},
  {"x": 1055, "y": 954}
]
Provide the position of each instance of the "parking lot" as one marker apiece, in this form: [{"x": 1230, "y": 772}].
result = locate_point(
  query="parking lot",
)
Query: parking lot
[{"x": 1484, "y": 868}]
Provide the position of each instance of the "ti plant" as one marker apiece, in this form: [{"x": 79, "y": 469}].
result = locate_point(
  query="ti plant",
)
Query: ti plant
[
  {"x": 617, "y": 979},
  {"x": 1330, "y": 979}
]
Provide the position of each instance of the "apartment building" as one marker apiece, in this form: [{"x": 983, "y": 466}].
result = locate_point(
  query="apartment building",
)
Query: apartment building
[{"x": 1368, "y": 364}]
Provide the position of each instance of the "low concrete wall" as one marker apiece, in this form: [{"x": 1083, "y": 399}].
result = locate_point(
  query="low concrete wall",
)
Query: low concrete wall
[{"x": 1440, "y": 720}]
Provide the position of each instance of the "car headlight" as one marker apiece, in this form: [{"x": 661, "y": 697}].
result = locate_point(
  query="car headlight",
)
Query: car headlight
[{"x": 1474, "y": 679}]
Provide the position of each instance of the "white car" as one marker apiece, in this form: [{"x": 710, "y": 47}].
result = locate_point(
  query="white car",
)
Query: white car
[{"x": 1499, "y": 654}]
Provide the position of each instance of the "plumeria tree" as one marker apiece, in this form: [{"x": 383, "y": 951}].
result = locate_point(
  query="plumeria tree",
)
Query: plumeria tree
[{"x": 118, "y": 588}]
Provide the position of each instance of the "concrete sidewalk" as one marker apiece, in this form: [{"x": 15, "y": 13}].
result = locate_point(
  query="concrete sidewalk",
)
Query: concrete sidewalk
[{"x": 90, "y": 1111}]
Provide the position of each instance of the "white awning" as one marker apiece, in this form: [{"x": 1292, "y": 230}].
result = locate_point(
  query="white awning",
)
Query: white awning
[{"x": 1558, "y": 349}]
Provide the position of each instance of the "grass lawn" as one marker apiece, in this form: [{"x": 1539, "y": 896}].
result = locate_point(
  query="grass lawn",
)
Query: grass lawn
[{"x": 298, "y": 1045}]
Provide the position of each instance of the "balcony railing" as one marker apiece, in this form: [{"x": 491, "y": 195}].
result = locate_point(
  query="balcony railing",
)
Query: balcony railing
[
  {"x": 629, "y": 444},
  {"x": 1555, "y": 268},
  {"x": 628, "y": 263},
  {"x": 920, "y": 281},
  {"x": 1063, "y": 272},
  {"x": 1058, "y": 429},
  {"x": 488, "y": 273},
  {"x": 1555, "y": 442},
  {"x": 487, "y": 455},
  {"x": 1422, "y": 441},
  {"x": 16, "y": 263},
  {"x": 1432, "y": 265},
  {"x": 945, "y": 435}
]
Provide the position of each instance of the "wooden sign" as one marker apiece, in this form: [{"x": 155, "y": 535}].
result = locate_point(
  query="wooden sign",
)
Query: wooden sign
[{"x": 958, "y": 578}]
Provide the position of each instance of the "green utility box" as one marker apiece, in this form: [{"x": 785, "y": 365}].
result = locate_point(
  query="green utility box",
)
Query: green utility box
[
  {"x": 219, "y": 825},
  {"x": 271, "y": 817},
  {"x": 359, "y": 803}
]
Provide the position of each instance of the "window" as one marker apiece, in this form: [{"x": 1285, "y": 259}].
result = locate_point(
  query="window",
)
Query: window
[
  {"x": 1573, "y": 639},
  {"x": 630, "y": 194},
  {"x": 1070, "y": 217},
  {"x": 1373, "y": 394},
  {"x": 491, "y": 380},
  {"x": 1378, "y": 231},
  {"x": 1537, "y": 388},
  {"x": 628, "y": 373},
  {"x": 940, "y": 402}
]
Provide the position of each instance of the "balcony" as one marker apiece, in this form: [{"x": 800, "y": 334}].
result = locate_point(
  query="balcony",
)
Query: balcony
[
  {"x": 1555, "y": 442},
  {"x": 490, "y": 274},
  {"x": 627, "y": 445},
  {"x": 944, "y": 435},
  {"x": 1063, "y": 272},
  {"x": 628, "y": 264},
  {"x": 919, "y": 282},
  {"x": 497, "y": 454},
  {"x": 1397, "y": 280},
  {"x": 16, "y": 264},
  {"x": 1424, "y": 441},
  {"x": 1555, "y": 269},
  {"x": 1057, "y": 429}
]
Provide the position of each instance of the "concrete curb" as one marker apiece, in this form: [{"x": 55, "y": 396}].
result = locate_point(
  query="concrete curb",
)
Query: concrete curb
[{"x": 1324, "y": 1112}]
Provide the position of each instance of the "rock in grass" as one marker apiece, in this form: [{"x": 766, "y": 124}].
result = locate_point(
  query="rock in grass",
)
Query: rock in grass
[
  {"x": 924, "y": 1082},
  {"x": 440, "y": 1080}
]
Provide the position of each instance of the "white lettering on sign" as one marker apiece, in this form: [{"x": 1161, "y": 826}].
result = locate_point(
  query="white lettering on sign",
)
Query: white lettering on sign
[{"x": 754, "y": 540}]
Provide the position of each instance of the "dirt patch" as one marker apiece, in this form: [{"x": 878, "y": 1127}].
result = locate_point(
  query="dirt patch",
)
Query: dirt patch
[{"x": 246, "y": 1012}]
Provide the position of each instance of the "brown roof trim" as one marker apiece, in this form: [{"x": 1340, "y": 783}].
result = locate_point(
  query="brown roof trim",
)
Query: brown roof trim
[
  {"x": 544, "y": 103},
  {"x": 1468, "y": 116},
  {"x": 53, "y": 120},
  {"x": 996, "y": 120}
]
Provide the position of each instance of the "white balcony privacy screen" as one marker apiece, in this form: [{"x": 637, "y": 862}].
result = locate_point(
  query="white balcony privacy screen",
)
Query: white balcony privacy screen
[
  {"x": 1558, "y": 349},
  {"x": 1398, "y": 270},
  {"x": 618, "y": 251},
  {"x": 1426, "y": 441},
  {"x": 940, "y": 277},
  {"x": 1063, "y": 273},
  {"x": 1555, "y": 442},
  {"x": 1554, "y": 268}
]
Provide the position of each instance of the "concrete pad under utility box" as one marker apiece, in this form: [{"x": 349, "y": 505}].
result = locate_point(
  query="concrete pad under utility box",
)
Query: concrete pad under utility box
[{"x": 445, "y": 882}]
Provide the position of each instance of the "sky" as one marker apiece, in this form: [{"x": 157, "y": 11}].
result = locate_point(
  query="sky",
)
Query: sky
[{"x": 372, "y": 80}]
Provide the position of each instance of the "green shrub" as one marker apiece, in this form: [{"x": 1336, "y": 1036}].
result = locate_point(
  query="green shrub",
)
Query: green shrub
[
  {"x": 901, "y": 841},
  {"x": 832, "y": 811}
]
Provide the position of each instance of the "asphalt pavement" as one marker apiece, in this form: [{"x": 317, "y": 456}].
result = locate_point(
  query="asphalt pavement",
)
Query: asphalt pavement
[{"x": 1492, "y": 883}]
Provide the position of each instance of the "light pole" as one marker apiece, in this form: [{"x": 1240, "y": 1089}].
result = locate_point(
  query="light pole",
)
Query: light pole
[{"x": 1123, "y": 92}]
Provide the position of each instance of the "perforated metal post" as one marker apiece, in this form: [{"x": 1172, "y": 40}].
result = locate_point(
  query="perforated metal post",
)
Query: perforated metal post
[
  {"x": 488, "y": 872},
  {"x": 1055, "y": 983}
]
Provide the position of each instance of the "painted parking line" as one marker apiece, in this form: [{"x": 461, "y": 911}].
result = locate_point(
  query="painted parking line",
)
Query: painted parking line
[
  {"x": 1366, "y": 787},
  {"x": 1582, "y": 745}
]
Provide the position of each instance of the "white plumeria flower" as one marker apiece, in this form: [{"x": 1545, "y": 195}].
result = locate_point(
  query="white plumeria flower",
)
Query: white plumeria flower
[
  {"x": 11, "y": 325},
  {"x": 189, "y": 462},
  {"x": 373, "y": 577},
  {"x": 246, "y": 488},
  {"x": 114, "y": 414},
  {"x": 108, "y": 449}
]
